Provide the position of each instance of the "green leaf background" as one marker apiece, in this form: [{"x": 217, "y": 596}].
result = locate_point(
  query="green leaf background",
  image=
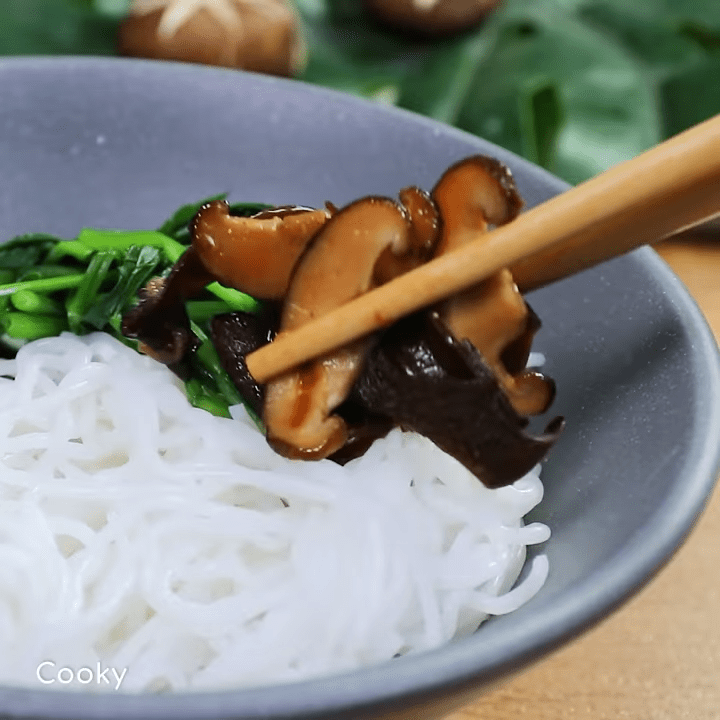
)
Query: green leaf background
[{"x": 574, "y": 85}]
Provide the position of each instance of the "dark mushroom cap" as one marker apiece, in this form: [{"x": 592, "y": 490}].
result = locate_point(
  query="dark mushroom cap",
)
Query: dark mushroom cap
[
  {"x": 441, "y": 17},
  {"x": 235, "y": 335},
  {"x": 159, "y": 320},
  {"x": 261, "y": 36}
]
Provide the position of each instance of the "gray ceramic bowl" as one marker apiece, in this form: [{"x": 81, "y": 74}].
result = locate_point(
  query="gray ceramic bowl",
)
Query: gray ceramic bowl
[{"x": 123, "y": 143}]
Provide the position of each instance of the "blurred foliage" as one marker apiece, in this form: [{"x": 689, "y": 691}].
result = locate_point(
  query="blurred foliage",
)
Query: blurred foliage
[
  {"x": 55, "y": 27},
  {"x": 574, "y": 85}
]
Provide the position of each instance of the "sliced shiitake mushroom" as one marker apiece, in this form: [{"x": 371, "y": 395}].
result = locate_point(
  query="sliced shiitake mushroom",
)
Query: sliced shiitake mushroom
[
  {"x": 254, "y": 254},
  {"x": 472, "y": 195},
  {"x": 299, "y": 413},
  {"x": 456, "y": 374},
  {"x": 425, "y": 225},
  {"x": 338, "y": 266}
]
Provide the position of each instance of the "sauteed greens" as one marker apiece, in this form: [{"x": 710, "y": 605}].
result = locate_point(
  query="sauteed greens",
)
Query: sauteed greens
[{"x": 48, "y": 284}]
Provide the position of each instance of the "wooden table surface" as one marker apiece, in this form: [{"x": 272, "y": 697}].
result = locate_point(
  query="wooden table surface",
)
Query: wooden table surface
[{"x": 658, "y": 657}]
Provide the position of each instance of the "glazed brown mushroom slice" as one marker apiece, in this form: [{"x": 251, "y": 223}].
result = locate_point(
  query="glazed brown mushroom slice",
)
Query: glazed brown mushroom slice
[
  {"x": 472, "y": 195},
  {"x": 254, "y": 254},
  {"x": 425, "y": 223},
  {"x": 338, "y": 266},
  {"x": 232, "y": 249},
  {"x": 495, "y": 318}
]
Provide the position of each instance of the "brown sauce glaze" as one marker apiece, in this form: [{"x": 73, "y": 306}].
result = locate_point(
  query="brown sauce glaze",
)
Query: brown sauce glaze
[
  {"x": 255, "y": 254},
  {"x": 472, "y": 195},
  {"x": 338, "y": 266},
  {"x": 424, "y": 235}
]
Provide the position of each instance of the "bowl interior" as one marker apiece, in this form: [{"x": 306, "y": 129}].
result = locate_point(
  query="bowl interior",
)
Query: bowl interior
[{"x": 113, "y": 143}]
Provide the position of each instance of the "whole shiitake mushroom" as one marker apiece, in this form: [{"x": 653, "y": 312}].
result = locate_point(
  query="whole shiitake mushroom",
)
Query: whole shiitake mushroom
[
  {"x": 431, "y": 17},
  {"x": 257, "y": 35}
]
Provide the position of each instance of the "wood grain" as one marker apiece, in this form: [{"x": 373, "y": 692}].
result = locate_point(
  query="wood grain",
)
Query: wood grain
[{"x": 658, "y": 658}]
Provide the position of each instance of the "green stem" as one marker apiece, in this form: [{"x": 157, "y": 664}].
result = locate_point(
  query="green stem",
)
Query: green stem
[
  {"x": 201, "y": 311},
  {"x": 47, "y": 270},
  {"x": 72, "y": 248},
  {"x": 235, "y": 299},
  {"x": 44, "y": 285},
  {"x": 32, "y": 327},
  {"x": 31, "y": 302},
  {"x": 86, "y": 294},
  {"x": 207, "y": 355},
  {"x": 124, "y": 239}
]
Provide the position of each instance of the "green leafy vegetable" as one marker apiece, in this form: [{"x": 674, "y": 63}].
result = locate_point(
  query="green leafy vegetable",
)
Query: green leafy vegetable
[
  {"x": 55, "y": 27},
  {"x": 34, "y": 303},
  {"x": 48, "y": 285},
  {"x": 83, "y": 297},
  {"x": 23, "y": 326},
  {"x": 574, "y": 85},
  {"x": 25, "y": 251},
  {"x": 137, "y": 267}
]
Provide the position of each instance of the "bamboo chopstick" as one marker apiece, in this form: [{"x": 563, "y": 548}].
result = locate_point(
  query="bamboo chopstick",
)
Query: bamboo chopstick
[{"x": 672, "y": 186}]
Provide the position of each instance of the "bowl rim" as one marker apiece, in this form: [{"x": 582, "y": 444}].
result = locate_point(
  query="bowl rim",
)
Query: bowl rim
[{"x": 456, "y": 665}]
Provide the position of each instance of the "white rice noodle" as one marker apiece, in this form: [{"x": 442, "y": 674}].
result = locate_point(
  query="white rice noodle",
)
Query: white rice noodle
[{"x": 142, "y": 533}]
